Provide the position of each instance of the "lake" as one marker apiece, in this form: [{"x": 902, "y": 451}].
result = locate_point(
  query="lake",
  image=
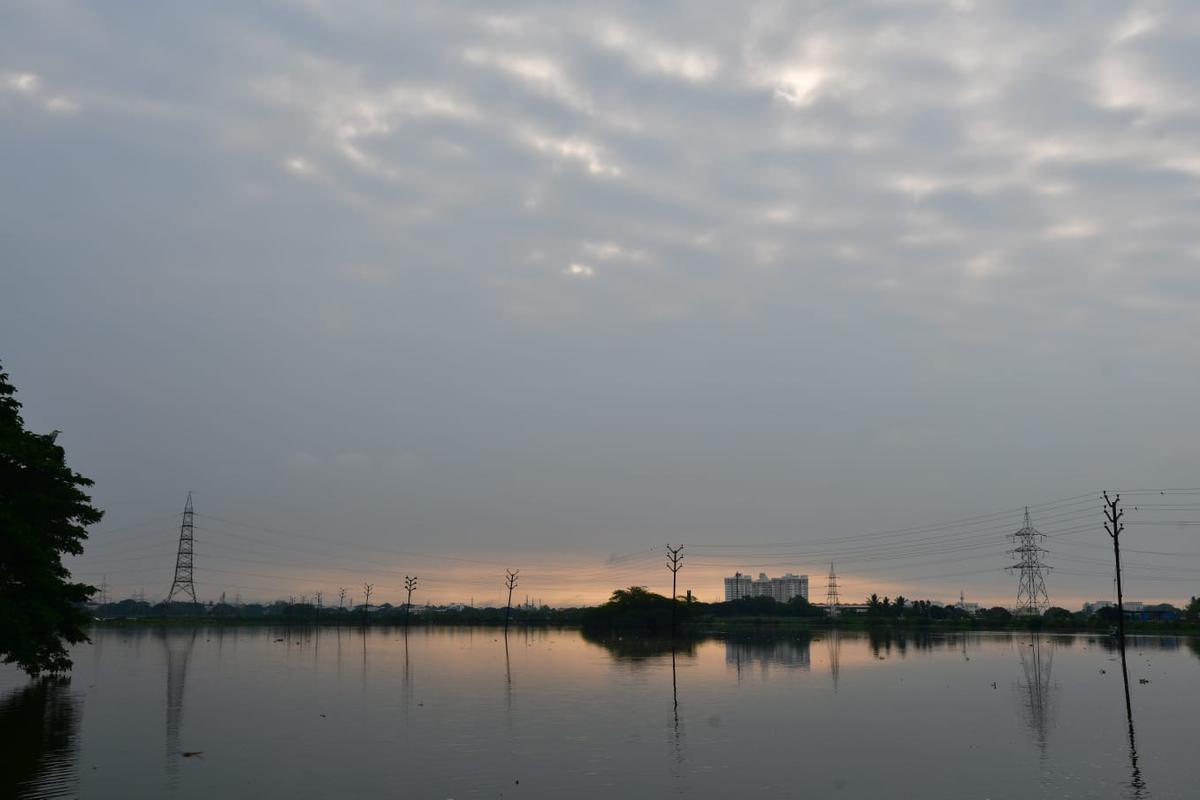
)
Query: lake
[{"x": 461, "y": 713}]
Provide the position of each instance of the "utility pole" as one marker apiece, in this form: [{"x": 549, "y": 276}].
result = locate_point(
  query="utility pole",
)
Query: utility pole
[
  {"x": 1031, "y": 587},
  {"x": 674, "y": 563},
  {"x": 183, "y": 583},
  {"x": 319, "y": 595},
  {"x": 367, "y": 589},
  {"x": 510, "y": 580},
  {"x": 409, "y": 584},
  {"x": 1113, "y": 526}
]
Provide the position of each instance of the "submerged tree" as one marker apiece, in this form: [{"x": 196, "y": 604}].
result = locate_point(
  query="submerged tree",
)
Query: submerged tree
[{"x": 44, "y": 513}]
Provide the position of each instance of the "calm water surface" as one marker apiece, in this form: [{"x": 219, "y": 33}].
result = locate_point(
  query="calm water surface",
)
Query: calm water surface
[{"x": 455, "y": 713}]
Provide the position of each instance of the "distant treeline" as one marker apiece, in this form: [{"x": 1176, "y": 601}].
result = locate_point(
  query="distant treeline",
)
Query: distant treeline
[
  {"x": 638, "y": 610},
  {"x": 309, "y": 613}
]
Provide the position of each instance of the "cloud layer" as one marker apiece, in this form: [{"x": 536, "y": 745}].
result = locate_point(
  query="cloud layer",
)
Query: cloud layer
[{"x": 604, "y": 275}]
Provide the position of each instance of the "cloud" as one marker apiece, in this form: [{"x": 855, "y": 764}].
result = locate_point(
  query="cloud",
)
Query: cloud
[
  {"x": 575, "y": 270},
  {"x": 481, "y": 235},
  {"x": 30, "y": 85}
]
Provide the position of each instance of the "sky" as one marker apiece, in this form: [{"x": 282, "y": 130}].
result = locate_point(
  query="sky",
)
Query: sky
[{"x": 445, "y": 288}]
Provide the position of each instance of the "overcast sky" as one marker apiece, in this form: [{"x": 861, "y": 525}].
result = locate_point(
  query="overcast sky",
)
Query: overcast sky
[{"x": 546, "y": 282}]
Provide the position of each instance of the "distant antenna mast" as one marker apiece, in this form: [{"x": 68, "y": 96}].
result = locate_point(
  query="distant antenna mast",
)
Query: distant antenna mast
[
  {"x": 831, "y": 592},
  {"x": 183, "y": 583},
  {"x": 1031, "y": 586}
]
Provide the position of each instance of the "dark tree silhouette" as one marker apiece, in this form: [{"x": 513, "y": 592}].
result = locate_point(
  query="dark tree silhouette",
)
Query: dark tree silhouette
[{"x": 44, "y": 513}]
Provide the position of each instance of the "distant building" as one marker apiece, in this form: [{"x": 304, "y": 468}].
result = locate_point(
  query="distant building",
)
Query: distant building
[
  {"x": 780, "y": 589},
  {"x": 738, "y": 586},
  {"x": 1131, "y": 606},
  {"x": 963, "y": 605}
]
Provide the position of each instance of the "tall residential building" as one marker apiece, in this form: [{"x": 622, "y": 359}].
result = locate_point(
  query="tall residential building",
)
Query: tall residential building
[
  {"x": 738, "y": 586},
  {"x": 779, "y": 589}
]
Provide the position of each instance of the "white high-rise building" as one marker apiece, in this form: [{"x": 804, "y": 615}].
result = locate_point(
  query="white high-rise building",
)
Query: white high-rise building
[
  {"x": 779, "y": 589},
  {"x": 738, "y": 586}
]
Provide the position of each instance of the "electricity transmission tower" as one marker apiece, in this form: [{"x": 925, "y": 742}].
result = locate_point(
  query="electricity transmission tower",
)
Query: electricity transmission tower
[
  {"x": 1031, "y": 587},
  {"x": 831, "y": 592},
  {"x": 183, "y": 583}
]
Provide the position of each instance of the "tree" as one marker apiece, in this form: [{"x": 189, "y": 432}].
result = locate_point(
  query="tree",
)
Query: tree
[
  {"x": 1057, "y": 614},
  {"x": 44, "y": 513}
]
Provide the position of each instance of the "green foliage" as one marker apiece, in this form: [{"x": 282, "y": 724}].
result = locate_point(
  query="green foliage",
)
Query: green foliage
[
  {"x": 636, "y": 608},
  {"x": 44, "y": 513},
  {"x": 996, "y": 615},
  {"x": 1057, "y": 614},
  {"x": 765, "y": 607}
]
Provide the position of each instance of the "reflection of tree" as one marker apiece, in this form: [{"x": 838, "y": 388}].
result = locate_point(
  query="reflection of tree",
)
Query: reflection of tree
[
  {"x": 642, "y": 648},
  {"x": 1193, "y": 643},
  {"x": 39, "y": 726},
  {"x": 178, "y": 645},
  {"x": 792, "y": 651},
  {"x": 885, "y": 639},
  {"x": 1036, "y": 689}
]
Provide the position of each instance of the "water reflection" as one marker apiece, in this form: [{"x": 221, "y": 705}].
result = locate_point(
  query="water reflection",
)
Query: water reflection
[
  {"x": 639, "y": 649},
  {"x": 602, "y": 717},
  {"x": 833, "y": 642},
  {"x": 1036, "y": 689},
  {"x": 39, "y": 726},
  {"x": 178, "y": 646},
  {"x": 678, "y": 735},
  {"x": 791, "y": 652}
]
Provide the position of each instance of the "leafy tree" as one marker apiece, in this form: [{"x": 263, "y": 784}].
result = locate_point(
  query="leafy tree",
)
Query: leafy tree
[
  {"x": 873, "y": 604},
  {"x": 1057, "y": 614},
  {"x": 1192, "y": 612},
  {"x": 44, "y": 513},
  {"x": 996, "y": 614}
]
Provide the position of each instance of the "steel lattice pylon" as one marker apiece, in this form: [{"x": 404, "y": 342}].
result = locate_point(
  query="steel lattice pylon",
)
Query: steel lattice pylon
[
  {"x": 183, "y": 583},
  {"x": 1031, "y": 585},
  {"x": 831, "y": 592}
]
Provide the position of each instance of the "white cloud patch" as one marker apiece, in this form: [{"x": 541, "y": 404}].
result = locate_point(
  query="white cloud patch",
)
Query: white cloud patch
[
  {"x": 576, "y": 270},
  {"x": 30, "y": 86},
  {"x": 579, "y": 151},
  {"x": 647, "y": 55}
]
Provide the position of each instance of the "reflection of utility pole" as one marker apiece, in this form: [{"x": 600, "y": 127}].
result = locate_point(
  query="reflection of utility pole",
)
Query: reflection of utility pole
[
  {"x": 674, "y": 563},
  {"x": 409, "y": 584},
  {"x": 510, "y": 580},
  {"x": 1114, "y": 526}
]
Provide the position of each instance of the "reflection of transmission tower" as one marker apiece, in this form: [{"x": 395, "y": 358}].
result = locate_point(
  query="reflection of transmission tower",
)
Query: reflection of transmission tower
[
  {"x": 179, "y": 649},
  {"x": 1036, "y": 690},
  {"x": 834, "y": 643},
  {"x": 1031, "y": 588},
  {"x": 831, "y": 592},
  {"x": 183, "y": 561}
]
